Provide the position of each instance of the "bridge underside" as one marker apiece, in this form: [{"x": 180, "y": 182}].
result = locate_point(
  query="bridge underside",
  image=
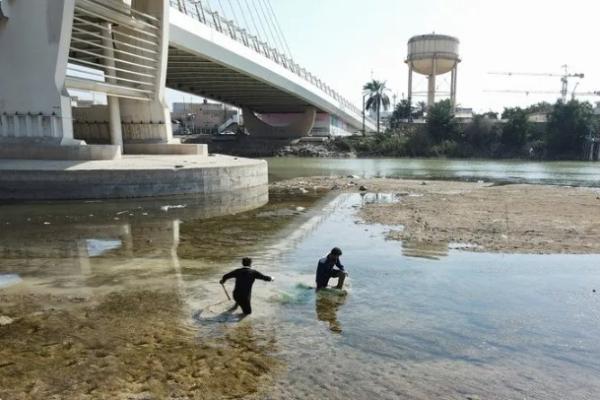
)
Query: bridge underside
[{"x": 201, "y": 76}]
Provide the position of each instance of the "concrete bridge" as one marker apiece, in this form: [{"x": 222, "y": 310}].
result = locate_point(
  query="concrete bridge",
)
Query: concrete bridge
[{"x": 131, "y": 51}]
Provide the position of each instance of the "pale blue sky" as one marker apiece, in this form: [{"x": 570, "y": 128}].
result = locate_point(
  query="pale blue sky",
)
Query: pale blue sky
[{"x": 342, "y": 41}]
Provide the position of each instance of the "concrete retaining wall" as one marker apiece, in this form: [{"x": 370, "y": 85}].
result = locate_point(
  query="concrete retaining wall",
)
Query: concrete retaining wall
[
  {"x": 78, "y": 153},
  {"x": 60, "y": 183},
  {"x": 166, "y": 148}
]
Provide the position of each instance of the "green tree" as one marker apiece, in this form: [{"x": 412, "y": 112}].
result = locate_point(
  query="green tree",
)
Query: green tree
[
  {"x": 490, "y": 115},
  {"x": 440, "y": 122},
  {"x": 568, "y": 125},
  {"x": 377, "y": 98},
  {"x": 402, "y": 112},
  {"x": 481, "y": 135},
  {"x": 541, "y": 107},
  {"x": 516, "y": 129}
]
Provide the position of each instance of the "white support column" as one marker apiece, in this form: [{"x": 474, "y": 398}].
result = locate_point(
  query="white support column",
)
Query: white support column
[
  {"x": 116, "y": 132},
  {"x": 431, "y": 86},
  {"x": 153, "y": 117},
  {"x": 453, "y": 86},
  {"x": 410, "y": 77},
  {"x": 34, "y": 45}
]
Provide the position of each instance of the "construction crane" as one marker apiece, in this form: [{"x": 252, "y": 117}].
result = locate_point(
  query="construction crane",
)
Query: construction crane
[
  {"x": 564, "y": 78},
  {"x": 528, "y": 92}
]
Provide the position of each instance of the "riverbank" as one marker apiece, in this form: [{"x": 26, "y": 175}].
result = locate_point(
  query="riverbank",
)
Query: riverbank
[
  {"x": 518, "y": 218},
  {"x": 248, "y": 146}
]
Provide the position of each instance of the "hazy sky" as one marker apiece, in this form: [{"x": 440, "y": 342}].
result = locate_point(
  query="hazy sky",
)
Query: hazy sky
[{"x": 345, "y": 41}]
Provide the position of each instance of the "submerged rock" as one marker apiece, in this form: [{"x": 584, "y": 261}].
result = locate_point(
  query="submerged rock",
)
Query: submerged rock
[{"x": 4, "y": 320}]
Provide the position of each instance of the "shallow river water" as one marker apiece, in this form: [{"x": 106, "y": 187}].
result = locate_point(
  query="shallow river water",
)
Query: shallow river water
[
  {"x": 116, "y": 300},
  {"x": 576, "y": 173}
]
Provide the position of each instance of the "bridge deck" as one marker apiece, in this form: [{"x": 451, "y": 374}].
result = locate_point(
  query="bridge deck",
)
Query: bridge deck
[{"x": 206, "y": 62}]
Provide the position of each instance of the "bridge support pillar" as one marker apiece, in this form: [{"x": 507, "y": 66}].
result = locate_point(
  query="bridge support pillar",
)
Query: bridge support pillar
[
  {"x": 297, "y": 128},
  {"x": 150, "y": 121},
  {"x": 114, "y": 110},
  {"x": 34, "y": 49}
]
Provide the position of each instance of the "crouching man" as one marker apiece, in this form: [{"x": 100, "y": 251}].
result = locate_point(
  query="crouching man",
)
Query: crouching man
[{"x": 331, "y": 267}]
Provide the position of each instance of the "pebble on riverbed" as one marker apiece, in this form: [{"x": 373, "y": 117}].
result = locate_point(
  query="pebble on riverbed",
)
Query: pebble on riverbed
[{"x": 4, "y": 320}]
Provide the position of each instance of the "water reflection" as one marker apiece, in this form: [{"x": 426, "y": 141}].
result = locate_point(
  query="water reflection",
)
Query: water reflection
[
  {"x": 327, "y": 304},
  {"x": 422, "y": 249},
  {"x": 101, "y": 302},
  {"x": 379, "y": 198},
  {"x": 7, "y": 280}
]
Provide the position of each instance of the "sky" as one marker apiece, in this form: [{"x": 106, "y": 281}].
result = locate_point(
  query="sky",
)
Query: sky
[{"x": 348, "y": 42}]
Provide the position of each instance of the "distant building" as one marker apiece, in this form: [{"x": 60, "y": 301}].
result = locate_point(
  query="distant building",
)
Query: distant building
[
  {"x": 539, "y": 117},
  {"x": 463, "y": 114},
  {"x": 201, "y": 117}
]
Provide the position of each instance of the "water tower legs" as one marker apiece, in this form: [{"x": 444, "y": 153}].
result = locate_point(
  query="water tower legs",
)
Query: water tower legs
[
  {"x": 453, "y": 86},
  {"x": 410, "y": 75},
  {"x": 431, "y": 86}
]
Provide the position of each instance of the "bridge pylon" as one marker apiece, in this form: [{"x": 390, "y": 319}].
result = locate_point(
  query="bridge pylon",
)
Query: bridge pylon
[{"x": 113, "y": 48}]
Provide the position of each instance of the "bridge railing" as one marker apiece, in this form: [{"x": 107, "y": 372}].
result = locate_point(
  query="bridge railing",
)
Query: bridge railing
[{"x": 214, "y": 20}]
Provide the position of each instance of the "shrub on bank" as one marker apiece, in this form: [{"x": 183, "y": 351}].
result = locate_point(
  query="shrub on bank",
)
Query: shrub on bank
[{"x": 569, "y": 126}]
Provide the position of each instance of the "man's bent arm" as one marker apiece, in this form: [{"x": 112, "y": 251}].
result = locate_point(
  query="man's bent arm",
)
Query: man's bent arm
[
  {"x": 258, "y": 275},
  {"x": 228, "y": 276}
]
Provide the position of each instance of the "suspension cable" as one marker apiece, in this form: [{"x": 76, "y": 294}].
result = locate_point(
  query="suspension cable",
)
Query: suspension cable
[
  {"x": 246, "y": 24},
  {"x": 252, "y": 19},
  {"x": 224, "y": 15},
  {"x": 260, "y": 22},
  {"x": 233, "y": 13},
  {"x": 277, "y": 36},
  {"x": 267, "y": 21},
  {"x": 280, "y": 31}
]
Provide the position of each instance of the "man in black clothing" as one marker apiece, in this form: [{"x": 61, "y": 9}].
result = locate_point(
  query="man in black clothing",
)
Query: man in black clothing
[
  {"x": 326, "y": 270},
  {"x": 244, "y": 279}
]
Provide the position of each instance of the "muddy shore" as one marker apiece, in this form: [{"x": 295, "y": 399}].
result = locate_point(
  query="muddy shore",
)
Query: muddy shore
[
  {"x": 129, "y": 346},
  {"x": 481, "y": 216}
]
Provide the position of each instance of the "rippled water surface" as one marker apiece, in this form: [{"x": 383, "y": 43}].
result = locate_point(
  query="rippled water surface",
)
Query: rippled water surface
[
  {"x": 113, "y": 300},
  {"x": 578, "y": 173}
]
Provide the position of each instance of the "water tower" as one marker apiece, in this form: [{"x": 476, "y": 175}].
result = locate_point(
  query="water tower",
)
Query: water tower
[{"x": 433, "y": 55}]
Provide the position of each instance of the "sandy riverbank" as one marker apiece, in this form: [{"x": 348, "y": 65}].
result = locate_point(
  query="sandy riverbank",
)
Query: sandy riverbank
[{"x": 478, "y": 216}]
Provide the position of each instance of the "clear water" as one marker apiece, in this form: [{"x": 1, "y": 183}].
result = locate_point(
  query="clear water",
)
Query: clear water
[
  {"x": 126, "y": 305},
  {"x": 576, "y": 173}
]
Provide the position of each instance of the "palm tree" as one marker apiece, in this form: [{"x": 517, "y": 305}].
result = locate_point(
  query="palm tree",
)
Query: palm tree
[{"x": 377, "y": 97}]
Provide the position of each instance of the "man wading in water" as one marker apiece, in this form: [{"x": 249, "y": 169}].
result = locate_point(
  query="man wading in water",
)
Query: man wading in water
[
  {"x": 326, "y": 270},
  {"x": 244, "y": 279}
]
